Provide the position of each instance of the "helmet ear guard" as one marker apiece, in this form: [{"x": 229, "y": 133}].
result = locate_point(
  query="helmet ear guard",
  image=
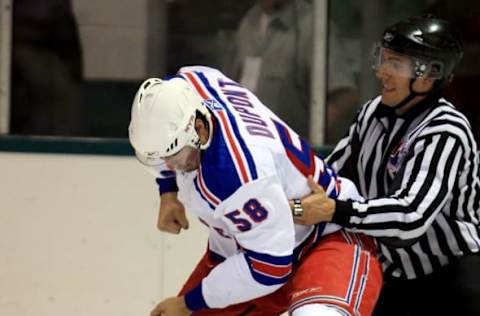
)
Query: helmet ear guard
[
  {"x": 430, "y": 69},
  {"x": 163, "y": 119}
]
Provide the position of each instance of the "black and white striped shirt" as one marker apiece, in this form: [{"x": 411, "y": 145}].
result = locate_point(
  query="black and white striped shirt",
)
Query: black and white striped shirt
[{"x": 419, "y": 173}]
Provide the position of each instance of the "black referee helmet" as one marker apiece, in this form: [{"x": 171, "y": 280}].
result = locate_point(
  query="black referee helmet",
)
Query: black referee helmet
[{"x": 434, "y": 43}]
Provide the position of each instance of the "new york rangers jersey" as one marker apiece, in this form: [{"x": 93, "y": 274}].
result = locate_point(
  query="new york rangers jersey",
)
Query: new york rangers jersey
[{"x": 254, "y": 164}]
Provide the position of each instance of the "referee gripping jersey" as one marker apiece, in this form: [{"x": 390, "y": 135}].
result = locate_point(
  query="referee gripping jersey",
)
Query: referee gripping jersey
[{"x": 419, "y": 173}]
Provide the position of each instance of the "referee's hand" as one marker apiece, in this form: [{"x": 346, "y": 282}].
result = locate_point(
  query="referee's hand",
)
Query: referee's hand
[{"x": 317, "y": 207}]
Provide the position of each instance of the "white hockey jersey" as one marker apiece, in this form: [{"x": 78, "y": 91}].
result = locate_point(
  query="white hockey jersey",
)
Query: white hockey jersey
[{"x": 254, "y": 164}]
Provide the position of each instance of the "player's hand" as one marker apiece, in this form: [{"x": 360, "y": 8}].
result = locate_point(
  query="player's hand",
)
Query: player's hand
[
  {"x": 172, "y": 306},
  {"x": 317, "y": 207},
  {"x": 171, "y": 216}
]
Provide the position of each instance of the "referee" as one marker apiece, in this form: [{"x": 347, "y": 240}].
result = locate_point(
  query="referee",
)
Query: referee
[{"x": 413, "y": 157}]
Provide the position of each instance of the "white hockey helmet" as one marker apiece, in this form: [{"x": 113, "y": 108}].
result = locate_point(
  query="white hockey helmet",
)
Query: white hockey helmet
[{"x": 163, "y": 119}]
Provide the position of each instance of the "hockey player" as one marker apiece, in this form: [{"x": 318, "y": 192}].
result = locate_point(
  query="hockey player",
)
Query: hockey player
[{"x": 216, "y": 150}]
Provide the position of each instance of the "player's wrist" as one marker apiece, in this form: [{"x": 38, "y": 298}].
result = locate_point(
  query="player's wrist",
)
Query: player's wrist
[
  {"x": 168, "y": 197},
  {"x": 331, "y": 208},
  {"x": 183, "y": 305},
  {"x": 194, "y": 299}
]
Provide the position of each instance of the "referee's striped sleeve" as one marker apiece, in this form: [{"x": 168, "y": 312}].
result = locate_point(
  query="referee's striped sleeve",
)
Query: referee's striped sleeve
[{"x": 429, "y": 175}]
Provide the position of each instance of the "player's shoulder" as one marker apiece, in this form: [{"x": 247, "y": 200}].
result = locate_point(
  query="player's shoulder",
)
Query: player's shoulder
[{"x": 225, "y": 170}]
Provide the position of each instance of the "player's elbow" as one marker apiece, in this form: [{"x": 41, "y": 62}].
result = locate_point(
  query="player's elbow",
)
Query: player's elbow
[
  {"x": 269, "y": 270},
  {"x": 271, "y": 280}
]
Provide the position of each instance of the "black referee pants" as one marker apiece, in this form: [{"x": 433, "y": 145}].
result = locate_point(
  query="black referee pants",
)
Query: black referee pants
[{"x": 454, "y": 290}]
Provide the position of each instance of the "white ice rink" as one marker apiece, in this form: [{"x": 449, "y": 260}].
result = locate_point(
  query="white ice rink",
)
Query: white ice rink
[{"x": 78, "y": 238}]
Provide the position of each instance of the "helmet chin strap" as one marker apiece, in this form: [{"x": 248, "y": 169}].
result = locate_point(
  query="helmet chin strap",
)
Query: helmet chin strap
[{"x": 411, "y": 95}]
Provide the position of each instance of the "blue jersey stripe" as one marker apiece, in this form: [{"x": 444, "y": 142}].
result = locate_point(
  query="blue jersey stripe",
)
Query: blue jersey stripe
[
  {"x": 263, "y": 276},
  {"x": 202, "y": 196},
  {"x": 218, "y": 169},
  {"x": 309, "y": 243},
  {"x": 276, "y": 260},
  {"x": 236, "y": 131}
]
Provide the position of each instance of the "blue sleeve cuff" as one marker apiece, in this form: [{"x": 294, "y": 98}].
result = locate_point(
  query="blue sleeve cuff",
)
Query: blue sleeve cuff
[
  {"x": 167, "y": 185},
  {"x": 194, "y": 299}
]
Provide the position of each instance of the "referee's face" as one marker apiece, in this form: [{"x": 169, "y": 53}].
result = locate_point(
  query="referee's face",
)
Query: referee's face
[{"x": 394, "y": 73}]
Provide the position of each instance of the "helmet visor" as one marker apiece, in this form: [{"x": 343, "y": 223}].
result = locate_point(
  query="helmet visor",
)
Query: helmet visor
[{"x": 400, "y": 65}]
